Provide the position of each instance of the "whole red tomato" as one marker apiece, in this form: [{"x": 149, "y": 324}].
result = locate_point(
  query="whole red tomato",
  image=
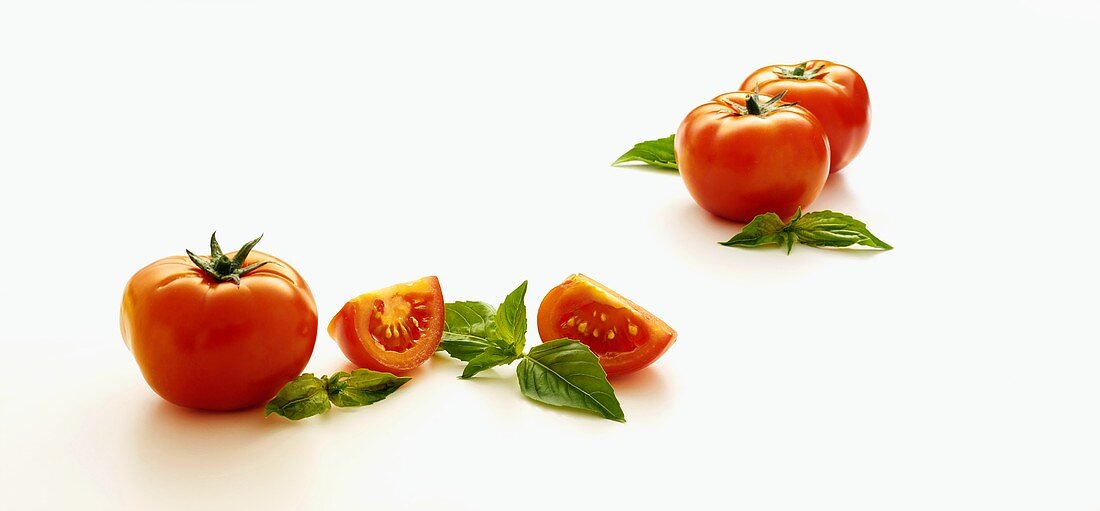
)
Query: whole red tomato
[
  {"x": 744, "y": 154},
  {"x": 219, "y": 333},
  {"x": 835, "y": 94}
]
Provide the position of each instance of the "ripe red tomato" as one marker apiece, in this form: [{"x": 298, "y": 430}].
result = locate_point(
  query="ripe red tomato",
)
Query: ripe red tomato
[
  {"x": 835, "y": 94},
  {"x": 393, "y": 329},
  {"x": 744, "y": 154},
  {"x": 623, "y": 335},
  {"x": 222, "y": 333}
]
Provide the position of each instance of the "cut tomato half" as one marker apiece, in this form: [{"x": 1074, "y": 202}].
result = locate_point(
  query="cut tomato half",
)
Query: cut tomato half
[
  {"x": 623, "y": 335},
  {"x": 393, "y": 329}
]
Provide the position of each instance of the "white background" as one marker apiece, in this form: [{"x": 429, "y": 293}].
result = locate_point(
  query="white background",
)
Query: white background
[{"x": 374, "y": 143}]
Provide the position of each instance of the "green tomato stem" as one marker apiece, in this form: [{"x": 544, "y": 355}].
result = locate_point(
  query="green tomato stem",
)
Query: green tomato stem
[{"x": 218, "y": 265}]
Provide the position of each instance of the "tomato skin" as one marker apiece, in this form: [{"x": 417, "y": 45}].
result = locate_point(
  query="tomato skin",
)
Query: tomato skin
[
  {"x": 652, "y": 338},
  {"x": 350, "y": 328},
  {"x": 739, "y": 166},
  {"x": 838, "y": 98},
  {"x": 215, "y": 345}
]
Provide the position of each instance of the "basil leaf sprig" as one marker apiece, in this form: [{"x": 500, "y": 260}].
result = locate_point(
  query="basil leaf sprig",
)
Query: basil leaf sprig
[
  {"x": 658, "y": 153},
  {"x": 476, "y": 333},
  {"x": 308, "y": 395},
  {"x": 818, "y": 229},
  {"x": 563, "y": 372}
]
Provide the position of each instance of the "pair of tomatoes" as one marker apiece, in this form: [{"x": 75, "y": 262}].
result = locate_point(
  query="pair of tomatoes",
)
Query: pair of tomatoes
[
  {"x": 771, "y": 147},
  {"x": 228, "y": 331}
]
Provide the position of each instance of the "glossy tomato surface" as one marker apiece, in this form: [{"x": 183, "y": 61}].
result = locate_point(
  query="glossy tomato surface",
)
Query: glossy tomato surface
[
  {"x": 835, "y": 94},
  {"x": 393, "y": 329},
  {"x": 623, "y": 335},
  {"x": 739, "y": 165},
  {"x": 213, "y": 345}
]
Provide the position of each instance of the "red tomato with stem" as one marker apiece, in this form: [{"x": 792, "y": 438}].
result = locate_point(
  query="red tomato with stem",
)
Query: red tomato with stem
[
  {"x": 222, "y": 332},
  {"x": 743, "y": 154},
  {"x": 622, "y": 334},
  {"x": 393, "y": 329},
  {"x": 835, "y": 94}
]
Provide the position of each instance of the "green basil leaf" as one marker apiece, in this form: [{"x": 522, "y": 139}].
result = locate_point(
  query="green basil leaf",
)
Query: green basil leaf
[
  {"x": 492, "y": 356},
  {"x": 832, "y": 229},
  {"x": 658, "y": 153},
  {"x": 473, "y": 318},
  {"x": 565, "y": 372},
  {"x": 304, "y": 396},
  {"x": 765, "y": 229},
  {"x": 512, "y": 319},
  {"x": 469, "y": 328},
  {"x": 463, "y": 347},
  {"x": 362, "y": 387}
]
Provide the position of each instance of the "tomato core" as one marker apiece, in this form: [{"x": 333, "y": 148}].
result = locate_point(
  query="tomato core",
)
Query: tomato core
[{"x": 395, "y": 323}]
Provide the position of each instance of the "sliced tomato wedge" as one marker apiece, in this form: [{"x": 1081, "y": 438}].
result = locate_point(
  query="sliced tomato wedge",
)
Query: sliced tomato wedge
[
  {"x": 623, "y": 335},
  {"x": 393, "y": 329}
]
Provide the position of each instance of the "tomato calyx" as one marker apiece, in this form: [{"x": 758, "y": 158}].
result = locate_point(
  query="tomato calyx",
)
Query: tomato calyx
[
  {"x": 756, "y": 106},
  {"x": 800, "y": 72},
  {"x": 220, "y": 267}
]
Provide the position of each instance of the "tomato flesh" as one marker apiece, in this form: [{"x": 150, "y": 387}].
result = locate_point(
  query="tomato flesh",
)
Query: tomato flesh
[
  {"x": 396, "y": 320},
  {"x": 622, "y": 334},
  {"x": 607, "y": 330},
  {"x": 395, "y": 329}
]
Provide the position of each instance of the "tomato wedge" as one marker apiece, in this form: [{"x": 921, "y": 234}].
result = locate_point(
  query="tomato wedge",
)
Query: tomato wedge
[
  {"x": 623, "y": 335},
  {"x": 393, "y": 329}
]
